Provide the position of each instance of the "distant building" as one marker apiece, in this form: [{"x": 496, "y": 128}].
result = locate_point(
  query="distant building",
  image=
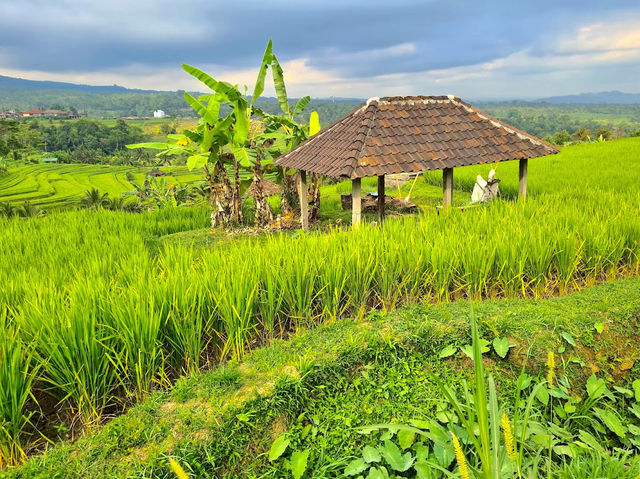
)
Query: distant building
[
  {"x": 49, "y": 160},
  {"x": 30, "y": 113},
  {"x": 68, "y": 114},
  {"x": 159, "y": 114}
]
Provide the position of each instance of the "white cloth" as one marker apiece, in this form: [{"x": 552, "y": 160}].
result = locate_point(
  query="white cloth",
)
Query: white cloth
[{"x": 485, "y": 190}]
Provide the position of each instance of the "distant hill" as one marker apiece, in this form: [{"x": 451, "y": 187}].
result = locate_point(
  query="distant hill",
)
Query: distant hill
[
  {"x": 601, "y": 98},
  {"x": 22, "y": 84},
  {"x": 117, "y": 101}
]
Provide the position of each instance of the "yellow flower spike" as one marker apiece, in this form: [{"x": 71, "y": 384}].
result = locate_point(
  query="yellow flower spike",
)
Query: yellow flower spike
[
  {"x": 508, "y": 437},
  {"x": 184, "y": 141},
  {"x": 462, "y": 461},
  {"x": 551, "y": 364},
  {"x": 177, "y": 469}
]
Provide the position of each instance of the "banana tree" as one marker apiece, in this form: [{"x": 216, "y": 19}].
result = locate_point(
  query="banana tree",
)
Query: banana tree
[
  {"x": 288, "y": 134},
  {"x": 230, "y": 140},
  {"x": 204, "y": 147}
]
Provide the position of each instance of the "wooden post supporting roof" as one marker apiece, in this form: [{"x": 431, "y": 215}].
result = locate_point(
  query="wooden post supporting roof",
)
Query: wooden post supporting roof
[
  {"x": 522, "y": 173},
  {"x": 356, "y": 202},
  {"x": 447, "y": 187},
  {"x": 381, "y": 194},
  {"x": 304, "y": 205}
]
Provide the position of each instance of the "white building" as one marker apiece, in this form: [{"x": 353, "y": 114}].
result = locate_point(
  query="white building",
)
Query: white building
[{"x": 159, "y": 114}]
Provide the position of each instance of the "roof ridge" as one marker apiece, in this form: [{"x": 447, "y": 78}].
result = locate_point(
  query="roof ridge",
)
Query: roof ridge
[
  {"x": 500, "y": 124},
  {"x": 372, "y": 102}
]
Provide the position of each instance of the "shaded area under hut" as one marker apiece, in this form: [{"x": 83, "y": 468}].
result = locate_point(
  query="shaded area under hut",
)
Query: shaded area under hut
[{"x": 410, "y": 134}]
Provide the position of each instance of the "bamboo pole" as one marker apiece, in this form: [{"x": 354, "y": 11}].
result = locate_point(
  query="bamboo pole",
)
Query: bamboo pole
[
  {"x": 381, "y": 198},
  {"x": 356, "y": 202},
  {"x": 522, "y": 174},
  {"x": 304, "y": 206},
  {"x": 447, "y": 187}
]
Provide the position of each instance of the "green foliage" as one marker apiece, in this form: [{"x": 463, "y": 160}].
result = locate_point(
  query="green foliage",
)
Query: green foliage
[
  {"x": 183, "y": 308},
  {"x": 542, "y": 119},
  {"x": 543, "y": 434},
  {"x": 379, "y": 370}
]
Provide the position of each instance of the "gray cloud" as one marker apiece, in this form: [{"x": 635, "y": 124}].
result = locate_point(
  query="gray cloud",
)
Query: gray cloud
[{"x": 356, "y": 39}]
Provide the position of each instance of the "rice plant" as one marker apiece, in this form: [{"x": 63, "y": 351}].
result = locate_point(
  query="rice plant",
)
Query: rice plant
[{"x": 17, "y": 373}]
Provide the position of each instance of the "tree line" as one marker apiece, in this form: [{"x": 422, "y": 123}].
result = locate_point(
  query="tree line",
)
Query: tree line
[{"x": 78, "y": 141}]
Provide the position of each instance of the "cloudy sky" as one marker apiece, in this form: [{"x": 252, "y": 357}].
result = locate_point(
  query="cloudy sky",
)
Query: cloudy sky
[{"x": 476, "y": 49}]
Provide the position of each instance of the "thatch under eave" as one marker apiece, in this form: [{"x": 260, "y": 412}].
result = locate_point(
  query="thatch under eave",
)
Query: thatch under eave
[{"x": 269, "y": 188}]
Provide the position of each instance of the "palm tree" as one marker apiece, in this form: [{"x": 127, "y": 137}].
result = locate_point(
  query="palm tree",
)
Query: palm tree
[
  {"x": 27, "y": 210},
  {"x": 93, "y": 199},
  {"x": 8, "y": 210}
]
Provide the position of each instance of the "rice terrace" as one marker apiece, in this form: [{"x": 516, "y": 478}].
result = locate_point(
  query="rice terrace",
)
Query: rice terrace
[{"x": 219, "y": 280}]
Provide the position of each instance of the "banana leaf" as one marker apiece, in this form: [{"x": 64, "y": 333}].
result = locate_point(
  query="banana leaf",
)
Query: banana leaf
[
  {"x": 262, "y": 73},
  {"x": 300, "y": 105},
  {"x": 278, "y": 83}
]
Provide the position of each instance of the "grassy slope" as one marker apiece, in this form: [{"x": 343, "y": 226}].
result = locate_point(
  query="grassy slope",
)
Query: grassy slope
[{"x": 339, "y": 376}]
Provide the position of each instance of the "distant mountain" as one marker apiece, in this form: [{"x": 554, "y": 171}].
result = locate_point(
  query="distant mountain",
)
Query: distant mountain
[
  {"x": 603, "y": 97},
  {"x": 22, "y": 84}
]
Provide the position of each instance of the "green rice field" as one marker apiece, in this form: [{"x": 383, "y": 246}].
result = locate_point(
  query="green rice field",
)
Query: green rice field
[
  {"x": 61, "y": 186},
  {"x": 99, "y": 309}
]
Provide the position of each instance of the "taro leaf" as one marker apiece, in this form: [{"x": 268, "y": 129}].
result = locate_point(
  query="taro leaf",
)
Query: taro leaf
[
  {"x": 635, "y": 410},
  {"x": 406, "y": 438},
  {"x": 355, "y": 467},
  {"x": 422, "y": 452},
  {"x": 299, "y": 463},
  {"x": 468, "y": 350},
  {"x": 611, "y": 420},
  {"x": 577, "y": 360},
  {"x": 387, "y": 435},
  {"x": 448, "y": 351},
  {"x": 568, "y": 338},
  {"x": 395, "y": 458},
  {"x": 636, "y": 389},
  {"x": 378, "y": 473},
  {"x": 542, "y": 394},
  {"x": 502, "y": 346},
  {"x": 443, "y": 454},
  {"x": 599, "y": 327},
  {"x": 422, "y": 424},
  {"x": 423, "y": 470},
  {"x": 624, "y": 391},
  {"x": 590, "y": 440},
  {"x": 370, "y": 454},
  {"x": 564, "y": 451},
  {"x": 596, "y": 387},
  {"x": 278, "y": 447},
  {"x": 633, "y": 429},
  {"x": 544, "y": 440}
]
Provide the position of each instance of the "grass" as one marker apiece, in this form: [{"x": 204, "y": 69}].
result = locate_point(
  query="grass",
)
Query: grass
[
  {"x": 322, "y": 384},
  {"x": 131, "y": 310}
]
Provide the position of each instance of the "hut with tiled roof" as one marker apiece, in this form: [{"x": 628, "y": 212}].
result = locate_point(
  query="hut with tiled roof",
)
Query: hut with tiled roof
[{"x": 410, "y": 135}]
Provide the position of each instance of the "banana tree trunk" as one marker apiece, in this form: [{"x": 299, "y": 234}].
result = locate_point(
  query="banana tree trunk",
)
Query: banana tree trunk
[
  {"x": 221, "y": 214},
  {"x": 263, "y": 212},
  {"x": 288, "y": 199},
  {"x": 237, "y": 199}
]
